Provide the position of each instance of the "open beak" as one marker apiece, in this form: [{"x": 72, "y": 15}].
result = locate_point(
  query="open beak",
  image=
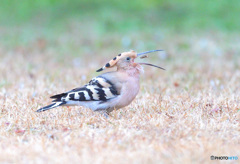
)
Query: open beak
[
  {"x": 151, "y": 65},
  {"x": 142, "y": 55}
]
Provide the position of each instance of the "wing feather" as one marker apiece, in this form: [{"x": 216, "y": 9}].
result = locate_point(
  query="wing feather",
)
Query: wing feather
[{"x": 98, "y": 89}]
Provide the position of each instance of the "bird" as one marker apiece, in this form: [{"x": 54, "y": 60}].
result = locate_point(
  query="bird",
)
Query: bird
[{"x": 110, "y": 90}]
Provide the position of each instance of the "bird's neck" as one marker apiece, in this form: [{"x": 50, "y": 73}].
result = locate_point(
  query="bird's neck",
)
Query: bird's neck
[{"x": 132, "y": 71}]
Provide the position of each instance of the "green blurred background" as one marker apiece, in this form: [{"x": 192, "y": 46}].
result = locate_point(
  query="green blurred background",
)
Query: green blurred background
[
  {"x": 124, "y": 16},
  {"x": 95, "y": 21}
]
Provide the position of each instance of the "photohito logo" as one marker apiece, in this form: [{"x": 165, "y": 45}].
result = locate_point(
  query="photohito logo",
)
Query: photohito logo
[{"x": 224, "y": 157}]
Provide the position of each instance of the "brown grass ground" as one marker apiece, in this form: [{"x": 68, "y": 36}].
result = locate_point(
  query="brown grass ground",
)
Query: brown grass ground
[{"x": 182, "y": 115}]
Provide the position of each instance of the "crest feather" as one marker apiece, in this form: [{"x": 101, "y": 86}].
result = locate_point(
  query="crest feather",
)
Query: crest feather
[{"x": 114, "y": 61}]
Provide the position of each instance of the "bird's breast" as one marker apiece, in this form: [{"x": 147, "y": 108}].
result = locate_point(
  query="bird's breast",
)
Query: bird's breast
[{"x": 129, "y": 91}]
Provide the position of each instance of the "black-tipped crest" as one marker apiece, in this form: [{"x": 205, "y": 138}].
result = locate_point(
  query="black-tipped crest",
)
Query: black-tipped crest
[
  {"x": 107, "y": 65},
  {"x": 99, "y": 70}
]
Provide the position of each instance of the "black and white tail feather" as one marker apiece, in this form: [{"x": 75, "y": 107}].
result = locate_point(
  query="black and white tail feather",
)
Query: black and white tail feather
[{"x": 97, "y": 91}]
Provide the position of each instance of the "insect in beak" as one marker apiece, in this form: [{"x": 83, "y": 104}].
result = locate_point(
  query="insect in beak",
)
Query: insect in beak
[{"x": 142, "y": 55}]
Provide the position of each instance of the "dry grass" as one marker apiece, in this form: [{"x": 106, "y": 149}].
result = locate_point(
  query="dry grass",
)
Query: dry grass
[{"x": 182, "y": 115}]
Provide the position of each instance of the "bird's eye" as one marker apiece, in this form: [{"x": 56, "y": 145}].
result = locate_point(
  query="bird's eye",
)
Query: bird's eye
[{"x": 128, "y": 58}]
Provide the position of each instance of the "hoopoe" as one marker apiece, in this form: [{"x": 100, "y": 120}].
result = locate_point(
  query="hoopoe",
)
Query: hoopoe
[{"x": 108, "y": 91}]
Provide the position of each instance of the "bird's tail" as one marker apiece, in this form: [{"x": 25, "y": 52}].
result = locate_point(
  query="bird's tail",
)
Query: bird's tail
[{"x": 54, "y": 105}]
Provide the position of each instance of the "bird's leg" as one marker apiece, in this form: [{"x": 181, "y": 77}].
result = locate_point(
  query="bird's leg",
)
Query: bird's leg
[{"x": 105, "y": 113}]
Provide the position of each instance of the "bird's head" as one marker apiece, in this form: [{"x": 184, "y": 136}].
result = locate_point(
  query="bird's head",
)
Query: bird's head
[{"x": 125, "y": 60}]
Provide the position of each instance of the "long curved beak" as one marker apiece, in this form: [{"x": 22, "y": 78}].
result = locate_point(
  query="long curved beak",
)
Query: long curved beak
[
  {"x": 152, "y": 65},
  {"x": 142, "y": 53}
]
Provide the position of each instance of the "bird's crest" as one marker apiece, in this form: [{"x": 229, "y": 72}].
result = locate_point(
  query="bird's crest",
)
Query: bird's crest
[
  {"x": 113, "y": 62},
  {"x": 132, "y": 54}
]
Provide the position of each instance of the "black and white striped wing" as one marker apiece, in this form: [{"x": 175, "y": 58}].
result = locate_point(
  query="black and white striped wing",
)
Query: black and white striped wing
[{"x": 98, "y": 89}]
